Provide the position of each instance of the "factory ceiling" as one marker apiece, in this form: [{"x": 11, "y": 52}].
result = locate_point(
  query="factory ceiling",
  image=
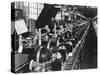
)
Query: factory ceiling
[
  {"x": 51, "y": 10},
  {"x": 88, "y": 12}
]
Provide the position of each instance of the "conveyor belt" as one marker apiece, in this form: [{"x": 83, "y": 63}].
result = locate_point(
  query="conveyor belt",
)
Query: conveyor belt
[{"x": 71, "y": 62}]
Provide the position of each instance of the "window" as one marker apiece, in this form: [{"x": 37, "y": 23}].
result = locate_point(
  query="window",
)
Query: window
[
  {"x": 58, "y": 16},
  {"x": 33, "y": 9}
]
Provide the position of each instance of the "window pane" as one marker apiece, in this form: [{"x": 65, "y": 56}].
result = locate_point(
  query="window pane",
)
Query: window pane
[
  {"x": 35, "y": 17},
  {"x": 25, "y": 3}
]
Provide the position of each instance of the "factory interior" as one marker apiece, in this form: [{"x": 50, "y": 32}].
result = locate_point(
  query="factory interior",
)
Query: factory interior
[{"x": 52, "y": 37}]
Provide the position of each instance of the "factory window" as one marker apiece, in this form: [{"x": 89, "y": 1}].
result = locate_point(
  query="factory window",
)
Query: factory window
[
  {"x": 35, "y": 10},
  {"x": 31, "y": 12},
  {"x": 31, "y": 9},
  {"x": 58, "y": 16}
]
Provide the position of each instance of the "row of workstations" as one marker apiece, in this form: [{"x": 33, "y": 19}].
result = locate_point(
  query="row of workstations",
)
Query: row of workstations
[{"x": 64, "y": 50}]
